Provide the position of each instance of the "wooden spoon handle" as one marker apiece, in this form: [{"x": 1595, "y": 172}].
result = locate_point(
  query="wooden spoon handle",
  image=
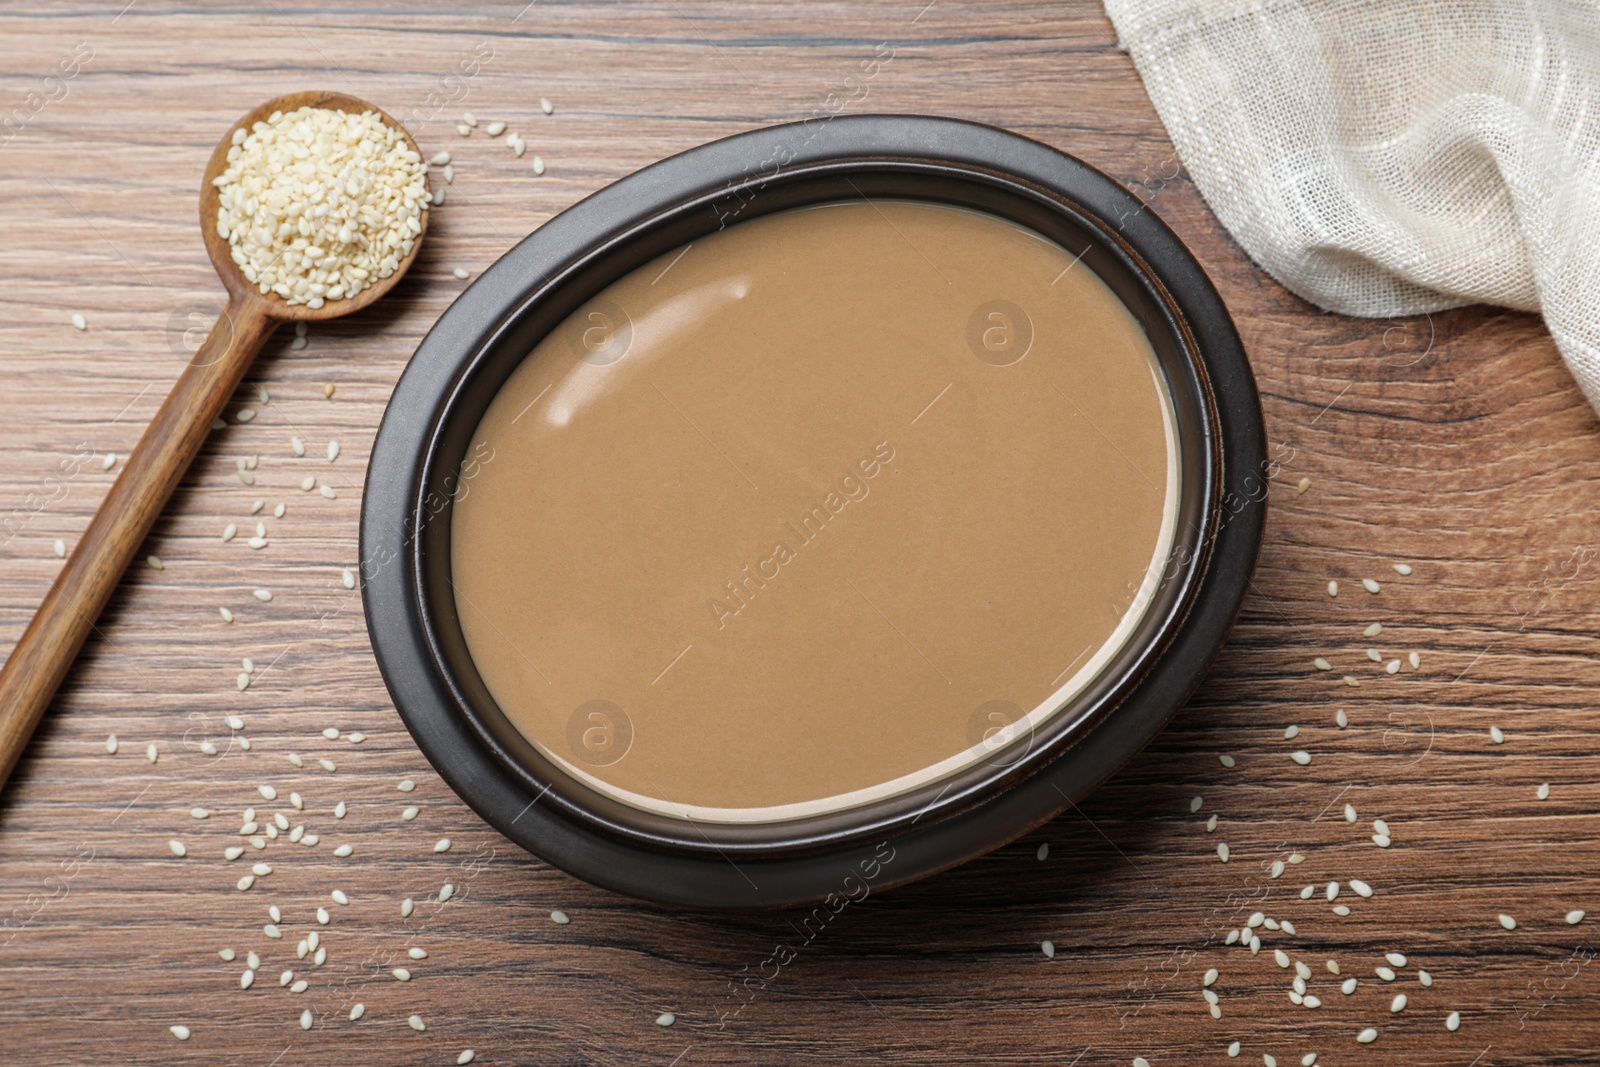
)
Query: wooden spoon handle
[{"x": 51, "y": 642}]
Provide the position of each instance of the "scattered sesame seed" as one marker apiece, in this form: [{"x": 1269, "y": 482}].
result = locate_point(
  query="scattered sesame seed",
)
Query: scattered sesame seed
[
  {"x": 666, "y": 1018},
  {"x": 339, "y": 810},
  {"x": 1367, "y": 1036},
  {"x": 243, "y": 681},
  {"x": 1301, "y": 757},
  {"x": 1380, "y": 826},
  {"x": 446, "y": 892},
  {"x": 155, "y": 563},
  {"x": 294, "y": 758},
  {"x": 343, "y": 850},
  {"x": 1508, "y": 922},
  {"x": 267, "y": 792},
  {"x": 1308, "y": 1059},
  {"x": 462, "y": 273},
  {"x": 1369, "y": 585},
  {"x": 410, "y": 813},
  {"x": 1348, "y": 986},
  {"x": 559, "y": 917},
  {"x": 111, "y": 744},
  {"x": 1333, "y": 588},
  {"x": 1341, "y": 909},
  {"x": 467, "y": 1056},
  {"x": 78, "y": 322},
  {"x": 402, "y": 974},
  {"x": 1048, "y": 948},
  {"x": 278, "y": 511},
  {"x": 1374, "y": 655},
  {"x": 1305, "y": 483},
  {"x": 545, "y": 105},
  {"x": 307, "y": 484},
  {"x": 1398, "y": 1004},
  {"x": 1233, "y": 1049},
  {"x": 1350, "y": 813},
  {"x": 348, "y": 577},
  {"x": 1396, "y": 959},
  {"x": 1543, "y": 792},
  {"x": 300, "y": 986},
  {"x": 1575, "y": 917},
  {"x": 1210, "y": 978},
  {"x": 263, "y": 595},
  {"x": 406, "y": 786},
  {"x": 407, "y": 906},
  {"x": 256, "y": 507},
  {"x": 261, "y": 870},
  {"x": 327, "y": 765},
  {"x": 1425, "y": 978},
  {"x": 227, "y": 616},
  {"x": 1381, "y": 840},
  {"x": 180, "y": 1032},
  {"x": 1333, "y": 966},
  {"x": 1280, "y": 957},
  {"x": 177, "y": 848},
  {"x": 1362, "y": 889},
  {"x": 416, "y": 1023},
  {"x": 331, "y": 733},
  {"x": 1291, "y": 732},
  {"x": 232, "y": 852},
  {"x": 339, "y": 897},
  {"x": 1227, "y": 761},
  {"x": 1277, "y": 868},
  {"x": 1222, "y": 851},
  {"x": 1415, "y": 660},
  {"x": 60, "y": 549},
  {"x": 1385, "y": 973},
  {"x": 327, "y": 390},
  {"x": 109, "y": 462},
  {"x": 1452, "y": 1022},
  {"x": 226, "y": 955},
  {"x": 333, "y": 451},
  {"x": 305, "y": 1019},
  {"x": 443, "y": 845},
  {"x": 150, "y": 752},
  {"x": 1302, "y": 970},
  {"x": 1211, "y": 823},
  {"x": 1402, "y": 569},
  {"x": 1496, "y": 736},
  {"x": 327, "y": 491},
  {"x": 1043, "y": 852},
  {"x": 357, "y": 1012}
]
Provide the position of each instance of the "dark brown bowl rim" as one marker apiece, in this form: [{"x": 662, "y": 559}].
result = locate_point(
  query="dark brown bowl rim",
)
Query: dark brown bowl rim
[{"x": 483, "y": 335}]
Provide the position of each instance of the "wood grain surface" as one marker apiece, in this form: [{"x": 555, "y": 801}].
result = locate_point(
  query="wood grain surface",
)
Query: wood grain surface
[{"x": 1456, "y": 443}]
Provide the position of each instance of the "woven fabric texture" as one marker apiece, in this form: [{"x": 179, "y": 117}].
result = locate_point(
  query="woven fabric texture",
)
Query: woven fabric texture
[{"x": 1392, "y": 157}]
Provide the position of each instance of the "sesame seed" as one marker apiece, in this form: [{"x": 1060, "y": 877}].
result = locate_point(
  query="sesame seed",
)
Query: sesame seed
[
  {"x": 155, "y": 563},
  {"x": 1303, "y": 971},
  {"x": 327, "y": 765},
  {"x": 1048, "y": 948},
  {"x": 409, "y": 814},
  {"x": 227, "y": 616},
  {"x": 1348, "y": 986},
  {"x": 1333, "y": 588},
  {"x": 1350, "y": 813},
  {"x": 1385, "y": 973},
  {"x": 60, "y": 548},
  {"x": 1255, "y": 920},
  {"x": 339, "y": 897},
  {"x": 1402, "y": 569},
  {"x": 406, "y": 786},
  {"x": 275, "y": 913},
  {"x": 1043, "y": 852},
  {"x": 327, "y": 491},
  {"x": 1415, "y": 660},
  {"x": 559, "y": 917},
  {"x": 261, "y": 870},
  {"x": 267, "y": 792},
  {"x": 263, "y": 595},
  {"x": 666, "y": 1018},
  {"x": 1308, "y": 1059},
  {"x": 1277, "y": 868},
  {"x": 333, "y": 451},
  {"x": 111, "y": 744},
  {"x": 78, "y": 322},
  {"x": 109, "y": 462},
  {"x": 1333, "y": 966},
  {"x": 446, "y": 892},
  {"x": 1543, "y": 792},
  {"x": 1362, "y": 889},
  {"x": 1425, "y": 978},
  {"x": 1396, "y": 959},
  {"x": 1305, "y": 483},
  {"x": 1398, "y": 1004},
  {"x": 545, "y": 105},
  {"x": 1280, "y": 957},
  {"x": 339, "y": 810},
  {"x": 177, "y": 848},
  {"x": 253, "y": 962},
  {"x": 1508, "y": 922},
  {"x": 538, "y": 165},
  {"x": 327, "y": 390},
  {"x": 232, "y": 852},
  {"x": 1341, "y": 909},
  {"x": 243, "y": 681},
  {"x": 467, "y": 1056},
  {"x": 1313, "y": 1002},
  {"x": 300, "y": 986},
  {"x": 1351, "y": 680},
  {"x": 1392, "y": 667},
  {"x": 1222, "y": 851},
  {"x": 1369, "y": 585},
  {"x": 1367, "y": 1036},
  {"x": 348, "y": 578},
  {"x": 416, "y": 1023},
  {"x": 294, "y": 758},
  {"x": 1380, "y": 826},
  {"x": 246, "y": 414},
  {"x": 1374, "y": 655},
  {"x": 1233, "y": 1049},
  {"x": 1196, "y": 804},
  {"x": 1291, "y": 732},
  {"x": 1373, "y": 630},
  {"x": 442, "y": 845},
  {"x": 1381, "y": 840},
  {"x": 271, "y": 930},
  {"x": 1301, "y": 757},
  {"x": 278, "y": 511},
  {"x": 1305, "y": 894},
  {"x": 150, "y": 752},
  {"x": 257, "y": 506},
  {"x": 226, "y": 955},
  {"x": 1452, "y": 1022},
  {"x": 357, "y": 1012},
  {"x": 305, "y": 1019},
  {"x": 307, "y": 484},
  {"x": 462, "y": 273},
  {"x": 1496, "y": 736},
  {"x": 1211, "y": 823},
  {"x": 407, "y": 906},
  {"x": 343, "y": 850},
  {"x": 1227, "y": 761},
  {"x": 402, "y": 974},
  {"x": 180, "y": 1032},
  {"x": 1575, "y": 917}
]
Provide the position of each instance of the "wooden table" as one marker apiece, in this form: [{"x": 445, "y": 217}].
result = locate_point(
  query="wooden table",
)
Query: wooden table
[{"x": 1456, "y": 443}]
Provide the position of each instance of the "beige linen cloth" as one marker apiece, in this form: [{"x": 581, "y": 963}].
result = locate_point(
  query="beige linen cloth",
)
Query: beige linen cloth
[{"x": 1390, "y": 157}]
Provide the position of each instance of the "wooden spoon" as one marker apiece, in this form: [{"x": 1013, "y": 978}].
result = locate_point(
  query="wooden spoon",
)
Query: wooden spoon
[{"x": 51, "y": 642}]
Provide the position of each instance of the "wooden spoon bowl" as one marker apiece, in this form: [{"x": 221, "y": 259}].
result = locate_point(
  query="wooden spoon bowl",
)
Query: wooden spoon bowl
[{"x": 157, "y": 464}]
